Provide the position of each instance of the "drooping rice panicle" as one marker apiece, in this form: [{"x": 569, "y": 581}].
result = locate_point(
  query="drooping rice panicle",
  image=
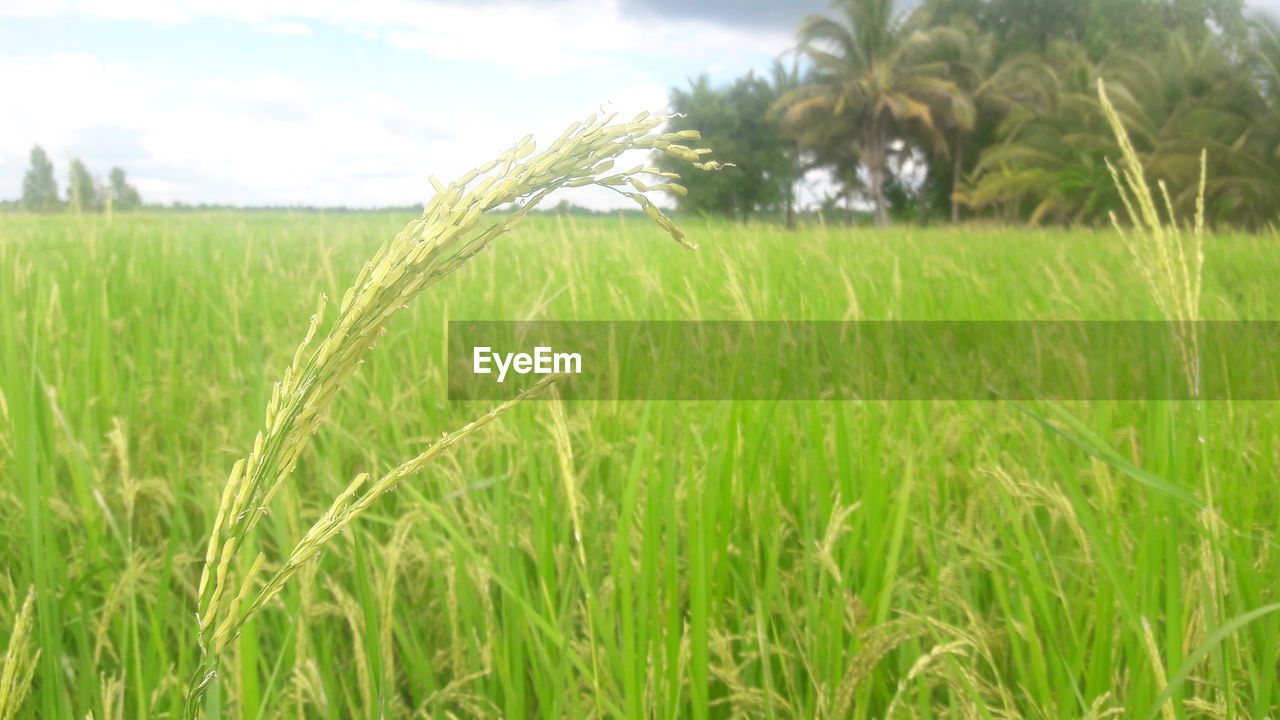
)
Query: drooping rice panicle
[{"x": 451, "y": 230}]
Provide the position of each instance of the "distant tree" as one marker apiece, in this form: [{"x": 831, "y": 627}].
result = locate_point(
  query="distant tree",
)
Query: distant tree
[
  {"x": 1022, "y": 25},
  {"x": 1049, "y": 158},
  {"x": 1099, "y": 25},
  {"x": 829, "y": 142},
  {"x": 992, "y": 105},
  {"x": 874, "y": 75},
  {"x": 82, "y": 193},
  {"x": 960, "y": 117},
  {"x": 1238, "y": 121},
  {"x": 1048, "y": 161},
  {"x": 1197, "y": 16},
  {"x": 39, "y": 189},
  {"x": 785, "y": 80},
  {"x": 734, "y": 121},
  {"x": 123, "y": 195}
]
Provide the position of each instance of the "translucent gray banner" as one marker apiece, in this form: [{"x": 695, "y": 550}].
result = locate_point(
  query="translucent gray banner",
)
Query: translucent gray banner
[{"x": 890, "y": 360}]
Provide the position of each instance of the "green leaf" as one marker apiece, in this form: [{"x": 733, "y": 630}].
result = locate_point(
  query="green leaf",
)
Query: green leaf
[
  {"x": 1082, "y": 437},
  {"x": 1210, "y": 642}
]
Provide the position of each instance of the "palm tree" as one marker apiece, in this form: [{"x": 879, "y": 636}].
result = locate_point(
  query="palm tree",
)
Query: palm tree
[
  {"x": 1193, "y": 97},
  {"x": 872, "y": 75},
  {"x": 1049, "y": 158},
  {"x": 785, "y": 80},
  {"x": 1245, "y": 182},
  {"x": 1265, "y": 133},
  {"x": 971, "y": 65},
  {"x": 1188, "y": 96}
]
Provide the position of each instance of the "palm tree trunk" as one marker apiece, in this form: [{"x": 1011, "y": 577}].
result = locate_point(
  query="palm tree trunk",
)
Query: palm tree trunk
[
  {"x": 790, "y": 199},
  {"x": 957, "y": 170},
  {"x": 875, "y": 168}
]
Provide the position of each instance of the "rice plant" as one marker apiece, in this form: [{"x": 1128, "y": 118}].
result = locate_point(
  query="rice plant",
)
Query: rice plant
[
  {"x": 451, "y": 231},
  {"x": 784, "y": 560},
  {"x": 1170, "y": 261},
  {"x": 19, "y": 661}
]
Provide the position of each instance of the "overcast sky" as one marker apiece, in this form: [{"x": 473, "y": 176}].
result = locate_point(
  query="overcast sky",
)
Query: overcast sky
[{"x": 337, "y": 102}]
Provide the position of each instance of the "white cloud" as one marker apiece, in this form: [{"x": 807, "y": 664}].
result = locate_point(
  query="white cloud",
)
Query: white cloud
[
  {"x": 534, "y": 39},
  {"x": 270, "y": 140},
  {"x": 201, "y": 134},
  {"x": 287, "y": 27},
  {"x": 52, "y": 98},
  {"x": 267, "y": 140},
  {"x": 1270, "y": 7}
]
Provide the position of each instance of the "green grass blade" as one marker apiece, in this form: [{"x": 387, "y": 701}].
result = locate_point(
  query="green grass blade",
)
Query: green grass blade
[{"x": 1079, "y": 435}]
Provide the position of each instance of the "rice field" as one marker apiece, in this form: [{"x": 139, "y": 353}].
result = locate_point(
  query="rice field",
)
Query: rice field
[{"x": 620, "y": 559}]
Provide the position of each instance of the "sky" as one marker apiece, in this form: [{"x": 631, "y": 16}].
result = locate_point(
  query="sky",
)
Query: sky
[{"x": 339, "y": 102}]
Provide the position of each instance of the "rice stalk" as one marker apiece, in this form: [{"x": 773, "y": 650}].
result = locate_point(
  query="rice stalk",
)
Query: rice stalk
[
  {"x": 451, "y": 230},
  {"x": 1157, "y": 667},
  {"x": 877, "y": 643},
  {"x": 921, "y": 666},
  {"x": 386, "y": 592},
  {"x": 19, "y": 661},
  {"x": 1170, "y": 261},
  {"x": 112, "y": 693}
]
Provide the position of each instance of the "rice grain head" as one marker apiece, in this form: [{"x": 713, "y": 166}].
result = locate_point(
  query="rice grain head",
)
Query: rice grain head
[
  {"x": 451, "y": 230},
  {"x": 19, "y": 660},
  {"x": 1170, "y": 261}
]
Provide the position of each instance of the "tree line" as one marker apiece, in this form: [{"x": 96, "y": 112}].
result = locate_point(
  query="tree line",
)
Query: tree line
[
  {"x": 85, "y": 192},
  {"x": 965, "y": 109}
]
